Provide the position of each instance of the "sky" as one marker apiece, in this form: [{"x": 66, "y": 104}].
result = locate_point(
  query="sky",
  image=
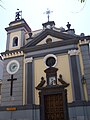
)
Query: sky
[{"x": 33, "y": 12}]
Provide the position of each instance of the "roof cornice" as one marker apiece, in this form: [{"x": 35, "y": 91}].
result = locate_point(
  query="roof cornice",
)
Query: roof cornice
[
  {"x": 23, "y": 24},
  {"x": 51, "y": 45},
  {"x": 51, "y": 32}
]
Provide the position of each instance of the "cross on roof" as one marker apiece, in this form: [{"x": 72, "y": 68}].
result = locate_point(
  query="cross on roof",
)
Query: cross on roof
[
  {"x": 11, "y": 89},
  {"x": 48, "y": 12}
]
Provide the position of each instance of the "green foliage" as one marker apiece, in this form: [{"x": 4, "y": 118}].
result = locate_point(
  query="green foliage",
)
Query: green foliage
[
  {"x": 82, "y": 1},
  {"x": 1, "y": 5}
]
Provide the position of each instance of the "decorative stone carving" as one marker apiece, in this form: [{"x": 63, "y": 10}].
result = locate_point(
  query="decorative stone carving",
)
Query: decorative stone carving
[
  {"x": 73, "y": 52},
  {"x": 42, "y": 82},
  {"x": 27, "y": 60},
  {"x": 81, "y": 42},
  {"x": 19, "y": 53}
]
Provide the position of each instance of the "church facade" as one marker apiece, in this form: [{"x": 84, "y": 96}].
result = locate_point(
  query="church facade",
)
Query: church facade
[{"x": 28, "y": 54}]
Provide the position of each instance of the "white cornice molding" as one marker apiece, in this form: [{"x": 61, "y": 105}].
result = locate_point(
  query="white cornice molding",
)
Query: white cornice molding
[
  {"x": 73, "y": 52},
  {"x": 14, "y": 54},
  {"x": 27, "y": 60},
  {"x": 82, "y": 42}
]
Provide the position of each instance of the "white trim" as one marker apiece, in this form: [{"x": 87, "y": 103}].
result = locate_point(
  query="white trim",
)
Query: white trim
[
  {"x": 82, "y": 42},
  {"x": 50, "y": 55},
  {"x": 27, "y": 60},
  {"x": 18, "y": 53},
  {"x": 73, "y": 52},
  {"x": 11, "y": 47}
]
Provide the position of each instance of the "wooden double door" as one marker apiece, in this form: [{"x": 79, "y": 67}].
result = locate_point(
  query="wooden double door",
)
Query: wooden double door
[{"x": 54, "y": 107}]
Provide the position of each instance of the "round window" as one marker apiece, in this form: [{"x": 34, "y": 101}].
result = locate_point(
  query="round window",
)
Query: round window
[
  {"x": 49, "y": 40},
  {"x": 50, "y": 60}
]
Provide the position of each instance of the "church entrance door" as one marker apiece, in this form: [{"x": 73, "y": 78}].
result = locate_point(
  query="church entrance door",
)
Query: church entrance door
[{"x": 54, "y": 107}]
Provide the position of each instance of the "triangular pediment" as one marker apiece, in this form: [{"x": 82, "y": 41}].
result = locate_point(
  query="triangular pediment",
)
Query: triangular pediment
[
  {"x": 48, "y": 40},
  {"x": 42, "y": 37}
]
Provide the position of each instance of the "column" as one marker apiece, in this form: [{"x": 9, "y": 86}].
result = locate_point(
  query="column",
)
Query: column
[
  {"x": 75, "y": 74},
  {"x": 29, "y": 80},
  {"x": 85, "y": 52},
  {"x": 8, "y": 41}
]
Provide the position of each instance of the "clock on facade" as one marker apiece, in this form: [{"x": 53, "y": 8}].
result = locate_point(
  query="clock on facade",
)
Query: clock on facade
[{"x": 12, "y": 67}]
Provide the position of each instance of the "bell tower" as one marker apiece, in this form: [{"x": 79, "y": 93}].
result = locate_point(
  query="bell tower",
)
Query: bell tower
[
  {"x": 13, "y": 83},
  {"x": 17, "y": 32}
]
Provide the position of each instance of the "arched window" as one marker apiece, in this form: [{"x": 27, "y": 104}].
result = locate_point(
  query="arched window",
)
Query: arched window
[{"x": 15, "y": 41}]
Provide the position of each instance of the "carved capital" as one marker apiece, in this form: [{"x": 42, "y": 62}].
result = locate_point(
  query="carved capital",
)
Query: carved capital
[
  {"x": 27, "y": 60},
  {"x": 82, "y": 42},
  {"x": 73, "y": 52}
]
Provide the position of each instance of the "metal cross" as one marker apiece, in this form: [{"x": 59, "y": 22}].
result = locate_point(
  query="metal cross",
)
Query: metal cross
[
  {"x": 11, "y": 89},
  {"x": 48, "y": 12}
]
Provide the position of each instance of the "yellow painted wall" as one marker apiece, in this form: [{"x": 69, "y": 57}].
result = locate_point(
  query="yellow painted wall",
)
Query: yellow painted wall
[
  {"x": 64, "y": 70},
  {"x": 62, "y": 65},
  {"x": 39, "y": 68},
  {"x": 81, "y": 61}
]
